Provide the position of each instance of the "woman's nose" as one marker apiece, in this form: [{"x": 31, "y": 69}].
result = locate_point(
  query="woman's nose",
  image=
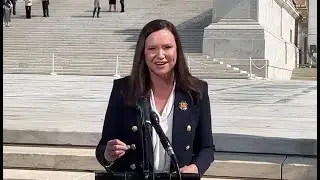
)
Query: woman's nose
[{"x": 160, "y": 54}]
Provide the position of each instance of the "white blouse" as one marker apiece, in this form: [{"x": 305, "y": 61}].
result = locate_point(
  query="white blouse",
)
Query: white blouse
[{"x": 161, "y": 159}]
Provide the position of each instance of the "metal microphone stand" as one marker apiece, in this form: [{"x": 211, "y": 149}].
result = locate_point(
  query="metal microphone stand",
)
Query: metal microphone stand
[{"x": 146, "y": 130}]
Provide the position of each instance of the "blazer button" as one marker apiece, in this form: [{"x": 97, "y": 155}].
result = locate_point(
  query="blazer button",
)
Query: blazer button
[
  {"x": 133, "y": 147},
  {"x": 134, "y": 128},
  {"x": 133, "y": 166},
  {"x": 188, "y": 128},
  {"x": 187, "y": 148}
]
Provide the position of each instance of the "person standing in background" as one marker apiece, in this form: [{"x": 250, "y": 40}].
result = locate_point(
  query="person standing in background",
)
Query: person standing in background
[
  {"x": 7, "y": 6},
  {"x": 122, "y": 5},
  {"x": 28, "y": 4},
  {"x": 14, "y": 2},
  {"x": 97, "y": 5},
  {"x": 112, "y": 2},
  {"x": 45, "y": 7}
]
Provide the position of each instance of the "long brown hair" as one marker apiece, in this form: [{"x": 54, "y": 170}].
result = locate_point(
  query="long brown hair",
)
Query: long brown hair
[{"x": 139, "y": 80}]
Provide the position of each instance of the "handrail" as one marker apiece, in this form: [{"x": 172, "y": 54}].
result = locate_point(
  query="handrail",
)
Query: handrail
[
  {"x": 117, "y": 72},
  {"x": 251, "y": 63},
  {"x": 117, "y": 75},
  {"x": 53, "y": 62}
]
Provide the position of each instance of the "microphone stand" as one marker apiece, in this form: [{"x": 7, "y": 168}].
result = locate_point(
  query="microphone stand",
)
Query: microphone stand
[
  {"x": 165, "y": 142},
  {"x": 146, "y": 135}
]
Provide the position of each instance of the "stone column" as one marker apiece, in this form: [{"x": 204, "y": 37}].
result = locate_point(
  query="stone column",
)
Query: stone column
[{"x": 234, "y": 32}]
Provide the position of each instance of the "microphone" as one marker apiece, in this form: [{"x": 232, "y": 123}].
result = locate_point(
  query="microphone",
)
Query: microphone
[
  {"x": 164, "y": 141},
  {"x": 143, "y": 105},
  {"x": 163, "y": 138}
]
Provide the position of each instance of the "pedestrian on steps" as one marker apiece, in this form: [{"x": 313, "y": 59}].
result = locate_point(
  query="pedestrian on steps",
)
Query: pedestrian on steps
[
  {"x": 14, "y": 2},
  {"x": 28, "y": 4},
  {"x": 122, "y": 5},
  {"x": 112, "y": 2},
  {"x": 45, "y": 7},
  {"x": 97, "y": 6},
  {"x": 7, "y": 6}
]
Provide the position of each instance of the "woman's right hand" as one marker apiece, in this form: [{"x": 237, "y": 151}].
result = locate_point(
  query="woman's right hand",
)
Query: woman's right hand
[{"x": 114, "y": 150}]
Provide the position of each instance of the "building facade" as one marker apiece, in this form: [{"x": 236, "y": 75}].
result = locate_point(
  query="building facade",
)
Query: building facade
[
  {"x": 312, "y": 30},
  {"x": 254, "y": 35}
]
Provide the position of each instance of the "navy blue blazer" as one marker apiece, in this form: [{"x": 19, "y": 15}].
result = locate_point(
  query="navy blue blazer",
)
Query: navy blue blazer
[{"x": 192, "y": 139}]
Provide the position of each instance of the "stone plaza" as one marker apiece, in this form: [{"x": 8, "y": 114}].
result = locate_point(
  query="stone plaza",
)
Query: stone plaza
[{"x": 276, "y": 119}]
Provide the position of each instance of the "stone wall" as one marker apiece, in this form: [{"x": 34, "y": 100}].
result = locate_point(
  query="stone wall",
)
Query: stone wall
[
  {"x": 270, "y": 16},
  {"x": 312, "y": 25},
  {"x": 260, "y": 29},
  {"x": 281, "y": 56}
]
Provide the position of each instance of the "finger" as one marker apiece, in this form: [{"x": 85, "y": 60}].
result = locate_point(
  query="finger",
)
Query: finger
[
  {"x": 112, "y": 157},
  {"x": 115, "y": 142},
  {"x": 183, "y": 169},
  {"x": 112, "y": 142},
  {"x": 116, "y": 153},
  {"x": 120, "y": 142},
  {"x": 115, "y": 157},
  {"x": 121, "y": 147},
  {"x": 120, "y": 155},
  {"x": 117, "y": 147}
]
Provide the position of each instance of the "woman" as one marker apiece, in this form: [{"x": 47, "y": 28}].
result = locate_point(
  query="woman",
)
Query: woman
[
  {"x": 112, "y": 2},
  {"x": 179, "y": 99},
  {"x": 28, "y": 4},
  {"x": 7, "y": 6},
  {"x": 97, "y": 5}
]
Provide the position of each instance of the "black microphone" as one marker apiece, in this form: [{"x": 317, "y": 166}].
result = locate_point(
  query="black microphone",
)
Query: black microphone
[
  {"x": 163, "y": 138},
  {"x": 164, "y": 141},
  {"x": 143, "y": 105}
]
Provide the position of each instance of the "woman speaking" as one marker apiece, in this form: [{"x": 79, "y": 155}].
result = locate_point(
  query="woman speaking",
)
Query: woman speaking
[{"x": 180, "y": 100}]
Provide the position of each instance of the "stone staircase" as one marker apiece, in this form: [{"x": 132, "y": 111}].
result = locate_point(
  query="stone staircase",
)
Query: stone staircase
[
  {"x": 35, "y": 162},
  {"x": 304, "y": 74},
  {"x": 81, "y": 45}
]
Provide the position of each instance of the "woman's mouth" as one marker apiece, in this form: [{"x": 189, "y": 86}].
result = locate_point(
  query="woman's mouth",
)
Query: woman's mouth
[{"x": 160, "y": 64}]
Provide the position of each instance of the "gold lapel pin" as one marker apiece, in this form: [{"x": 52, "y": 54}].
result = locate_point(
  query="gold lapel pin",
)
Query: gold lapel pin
[{"x": 183, "y": 105}]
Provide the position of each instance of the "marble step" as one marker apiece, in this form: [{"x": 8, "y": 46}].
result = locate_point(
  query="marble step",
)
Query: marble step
[
  {"x": 227, "y": 142},
  {"x": 218, "y": 68},
  {"x": 22, "y": 174},
  {"x": 305, "y": 78},
  {"x": 82, "y": 56},
  {"x": 82, "y": 48},
  {"x": 124, "y": 33},
  {"x": 226, "y": 164},
  {"x": 121, "y": 72},
  {"x": 107, "y": 66},
  {"x": 86, "y": 56}
]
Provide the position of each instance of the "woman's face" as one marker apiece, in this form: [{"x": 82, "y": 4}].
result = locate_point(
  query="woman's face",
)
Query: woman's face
[{"x": 160, "y": 52}]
